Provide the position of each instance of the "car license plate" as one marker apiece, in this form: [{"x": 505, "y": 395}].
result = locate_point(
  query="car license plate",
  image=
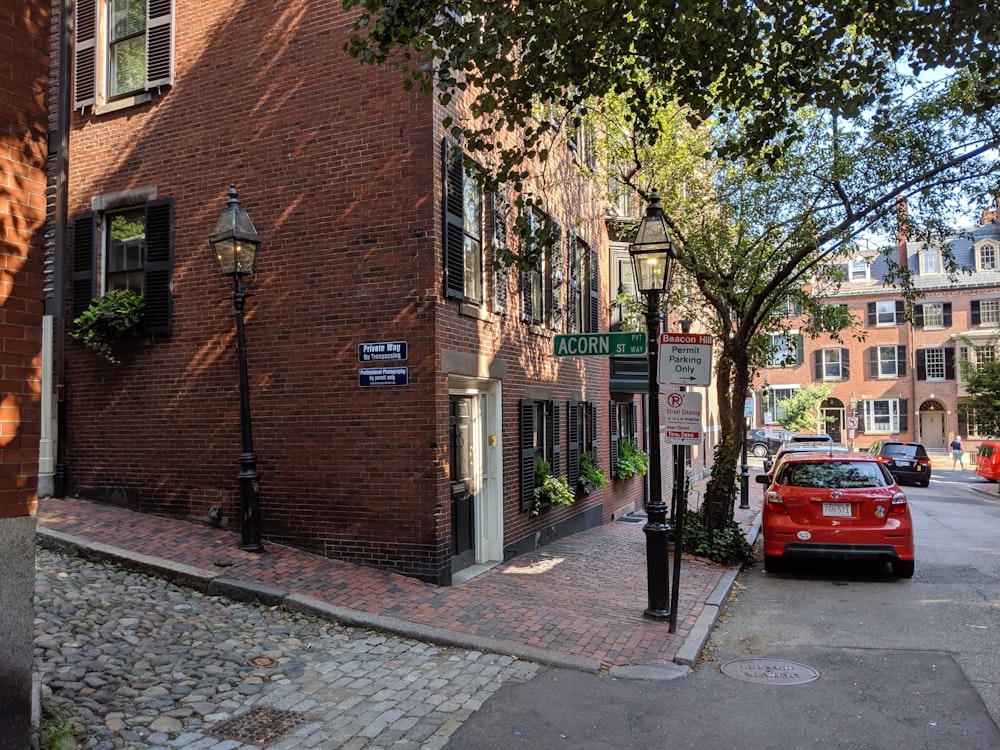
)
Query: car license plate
[
  {"x": 840, "y": 510},
  {"x": 902, "y": 464}
]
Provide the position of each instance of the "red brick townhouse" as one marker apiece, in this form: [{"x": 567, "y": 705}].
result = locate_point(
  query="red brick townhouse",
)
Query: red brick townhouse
[
  {"x": 401, "y": 386},
  {"x": 903, "y": 381}
]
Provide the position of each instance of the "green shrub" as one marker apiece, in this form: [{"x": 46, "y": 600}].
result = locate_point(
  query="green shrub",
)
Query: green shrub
[
  {"x": 549, "y": 488},
  {"x": 631, "y": 461},
  {"x": 592, "y": 476},
  {"x": 726, "y": 546},
  {"x": 108, "y": 319}
]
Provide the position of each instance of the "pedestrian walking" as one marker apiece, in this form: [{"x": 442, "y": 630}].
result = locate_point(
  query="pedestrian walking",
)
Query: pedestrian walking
[{"x": 956, "y": 452}]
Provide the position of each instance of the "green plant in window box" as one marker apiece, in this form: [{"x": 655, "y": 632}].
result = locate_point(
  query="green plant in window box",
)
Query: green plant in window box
[
  {"x": 108, "y": 319},
  {"x": 631, "y": 461},
  {"x": 549, "y": 488},
  {"x": 591, "y": 475}
]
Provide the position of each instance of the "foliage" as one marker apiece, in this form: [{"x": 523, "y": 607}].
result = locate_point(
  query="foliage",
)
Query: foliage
[
  {"x": 550, "y": 488},
  {"x": 726, "y": 546},
  {"x": 802, "y": 407},
  {"x": 982, "y": 379},
  {"x": 592, "y": 476},
  {"x": 116, "y": 314},
  {"x": 720, "y": 492},
  {"x": 57, "y": 729},
  {"x": 631, "y": 460}
]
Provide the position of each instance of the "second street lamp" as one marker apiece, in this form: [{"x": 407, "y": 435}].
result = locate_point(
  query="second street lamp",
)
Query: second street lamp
[
  {"x": 235, "y": 243},
  {"x": 652, "y": 258}
]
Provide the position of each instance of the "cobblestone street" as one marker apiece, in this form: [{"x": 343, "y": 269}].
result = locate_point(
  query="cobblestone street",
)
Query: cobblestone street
[{"x": 146, "y": 664}]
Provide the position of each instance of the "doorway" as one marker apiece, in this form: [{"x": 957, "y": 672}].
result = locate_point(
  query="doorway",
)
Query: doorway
[
  {"x": 832, "y": 413},
  {"x": 475, "y": 463},
  {"x": 932, "y": 426}
]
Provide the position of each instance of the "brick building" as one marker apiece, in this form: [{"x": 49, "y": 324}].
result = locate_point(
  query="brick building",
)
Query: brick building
[
  {"x": 401, "y": 387},
  {"x": 903, "y": 380}
]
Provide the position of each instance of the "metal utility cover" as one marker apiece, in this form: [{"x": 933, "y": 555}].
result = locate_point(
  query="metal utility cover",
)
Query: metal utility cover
[{"x": 764, "y": 671}]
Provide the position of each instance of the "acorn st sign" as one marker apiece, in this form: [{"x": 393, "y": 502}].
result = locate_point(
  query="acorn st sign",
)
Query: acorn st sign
[{"x": 616, "y": 344}]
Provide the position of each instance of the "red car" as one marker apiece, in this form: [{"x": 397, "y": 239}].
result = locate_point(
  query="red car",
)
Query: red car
[{"x": 839, "y": 506}]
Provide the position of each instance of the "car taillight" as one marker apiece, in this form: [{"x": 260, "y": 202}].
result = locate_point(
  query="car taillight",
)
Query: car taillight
[
  {"x": 775, "y": 503},
  {"x": 924, "y": 462},
  {"x": 898, "y": 505}
]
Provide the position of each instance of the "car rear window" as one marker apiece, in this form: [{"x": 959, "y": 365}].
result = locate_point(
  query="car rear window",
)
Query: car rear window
[
  {"x": 985, "y": 451},
  {"x": 832, "y": 474},
  {"x": 904, "y": 450}
]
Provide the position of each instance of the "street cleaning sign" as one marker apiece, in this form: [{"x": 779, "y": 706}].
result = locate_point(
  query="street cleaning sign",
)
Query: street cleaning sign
[
  {"x": 616, "y": 344},
  {"x": 682, "y": 418},
  {"x": 684, "y": 359}
]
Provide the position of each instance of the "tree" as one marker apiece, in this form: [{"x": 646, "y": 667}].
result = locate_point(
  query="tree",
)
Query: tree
[
  {"x": 802, "y": 407},
  {"x": 982, "y": 383}
]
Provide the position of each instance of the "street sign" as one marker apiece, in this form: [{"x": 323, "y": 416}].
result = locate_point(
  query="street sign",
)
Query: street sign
[
  {"x": 617, "y": 344},
  {"x": 685, "y": 359},
  {"x": 369, "y": 376},
  {"x": 382, "y": 351},
  {"x": 682, "y": 418}
]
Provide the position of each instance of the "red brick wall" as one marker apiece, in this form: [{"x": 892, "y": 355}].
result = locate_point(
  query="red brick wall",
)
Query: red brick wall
[
  {"x": 23, "y": 118},
  {"x": 339, "y": 169}
]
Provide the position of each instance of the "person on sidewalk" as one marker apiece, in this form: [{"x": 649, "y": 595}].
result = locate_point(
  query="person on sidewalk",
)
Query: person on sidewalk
[{"x": 956, "y": 452}]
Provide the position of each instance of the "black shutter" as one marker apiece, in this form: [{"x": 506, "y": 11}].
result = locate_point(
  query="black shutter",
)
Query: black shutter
[
  {"x": 85, "y": 54},
  {"x": 527, "y": 409},
  {"x": 921, "y": 364},
  {"x": 800, "y": 349},
  {"x": 527, "y": 284},
  {"x": 84, "y": 262},
  {"x": 158, "y": 265},
  {"x": 845, "y": 363},
  {"x": 949, "y": 363},
  {"x": 500, "y": 209},
  {"x": 818, "y": 364},
  {"x": 594, "y": 308},
  {"x": 454, "y": 221},
  {"x": 557, "y": 276},
  {"x": 976, "y": 317},
  {"x": 613, "y": 435},
  {"x": 654, "y": 429},
  {"x": 947, "y": 314},
  {"x": 904, "y": 417},
  {"x": 918, "y": 316},
  {"x": 900, "y": 312},
  {"x": 554, "y": 443},
  {"x": 592, "y": 417},
  {"x": 872, "y": 319},
  {"x": 159, "y": 44},
  {"x": 573, "y": 426},
  {"x": 574, "y": 294},
  {"x": 900, "y": 361},
  {"x": 873, "y": 361}
]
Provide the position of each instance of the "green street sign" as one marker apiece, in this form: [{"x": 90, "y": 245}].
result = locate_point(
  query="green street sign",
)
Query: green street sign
[{"x": 617, "y": 344}]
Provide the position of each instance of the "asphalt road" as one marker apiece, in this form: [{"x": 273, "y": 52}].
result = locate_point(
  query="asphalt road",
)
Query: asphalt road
[{"x": 901, "y": 663}]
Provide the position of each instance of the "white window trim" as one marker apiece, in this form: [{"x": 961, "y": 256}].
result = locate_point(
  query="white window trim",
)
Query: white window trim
[{"x": 894, "y": 414}]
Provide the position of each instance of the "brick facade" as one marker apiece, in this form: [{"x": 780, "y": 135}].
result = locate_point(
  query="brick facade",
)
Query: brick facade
[{"x": 341, "y": 171}]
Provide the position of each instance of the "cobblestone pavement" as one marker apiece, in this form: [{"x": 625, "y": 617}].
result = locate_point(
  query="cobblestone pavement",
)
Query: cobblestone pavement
[{"x": 145, "y": 664}]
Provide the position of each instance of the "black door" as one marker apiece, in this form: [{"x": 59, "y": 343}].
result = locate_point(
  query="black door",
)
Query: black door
[{"x": 463, "y": 527}]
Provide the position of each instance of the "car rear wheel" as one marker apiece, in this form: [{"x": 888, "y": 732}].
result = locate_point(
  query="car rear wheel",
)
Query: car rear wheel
[
  {"x": 902, "y": 568},
  {"x": 924, "y": 483},
  {"x": 760, "y": 450},
  {"x": 773, "y": 564}
]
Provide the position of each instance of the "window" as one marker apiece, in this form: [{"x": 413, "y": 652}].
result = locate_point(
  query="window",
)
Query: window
[
  {"x": 936, "y": 364},
  {"x": 536, "y": 281},
  {"x": 122, "y": 48},
  {"x": 986, "y": 256},
  {"x": 885, "y": 313},
  {"x": 887, "y": 361},
  {"x": 583, "y": 304},
  {"x": 932, "y": 315},
  {"x": 125, "y": 247},
  {"x": 463, "y": 241},
  {"x": 779, "y": 394},
  {"x": 831, "y": 364},
  {"x": 538, "y": 440},
  {"x": 857, "y": 269},
  {"x": 787, "y": 349},
  {"x": 885, "y": 415},
  {"x": 930, "y": 262},
  {"x": 624, "y": 427},
  {"x": 986, "y": 312}
]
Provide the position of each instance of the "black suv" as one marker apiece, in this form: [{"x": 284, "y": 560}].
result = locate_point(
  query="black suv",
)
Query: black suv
[{"x": 906, "y": 461}]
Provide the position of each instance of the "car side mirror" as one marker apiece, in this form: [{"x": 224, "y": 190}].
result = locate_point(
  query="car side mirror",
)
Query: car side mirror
[{"x": 763, "y": 479}]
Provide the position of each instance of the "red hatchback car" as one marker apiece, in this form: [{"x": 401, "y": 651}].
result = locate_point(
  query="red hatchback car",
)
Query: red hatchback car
[{"x": 839, "y": 506}]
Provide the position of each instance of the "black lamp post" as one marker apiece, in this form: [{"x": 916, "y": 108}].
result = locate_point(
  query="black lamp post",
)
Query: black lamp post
[
  {"x": 235, "y": 243},
  {"x": 652, "y": 258},
  {"x": 854, "y": 418}
]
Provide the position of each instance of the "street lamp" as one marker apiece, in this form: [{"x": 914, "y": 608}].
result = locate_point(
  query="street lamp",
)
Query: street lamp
[
  {"x": 235, "y": 244},
  {"x": 854, "y": 418},
  {"x": 652, "y": 257}
]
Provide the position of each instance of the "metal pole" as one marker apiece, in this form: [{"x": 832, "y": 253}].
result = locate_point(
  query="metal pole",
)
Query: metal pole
[
  {"x": 678, "y": 505},
  {"x": 248, "y": 476},
  {"x": 745, "y": 470},
  {"x": 657, "y": 530}
]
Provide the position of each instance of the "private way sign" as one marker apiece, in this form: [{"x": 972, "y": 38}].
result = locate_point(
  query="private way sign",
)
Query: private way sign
[{"x": 684, "y": 359}]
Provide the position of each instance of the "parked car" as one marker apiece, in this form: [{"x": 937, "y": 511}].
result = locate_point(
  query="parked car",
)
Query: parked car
[
  {"x": 803, "y": 447},
  {"x": 906, "y": 461},
  {"x": 810, "y": 437},
  {"x": 766, "y": 441},
  {"x": 839, "y": 506},
  {"x": 988, "y": 460}
]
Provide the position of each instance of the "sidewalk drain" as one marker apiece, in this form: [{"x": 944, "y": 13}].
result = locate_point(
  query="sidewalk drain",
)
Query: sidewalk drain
[
  {"x": 258, "y": 726},
  {"x": 261, "y": 662},
  {"x": 769, "y": 671}
]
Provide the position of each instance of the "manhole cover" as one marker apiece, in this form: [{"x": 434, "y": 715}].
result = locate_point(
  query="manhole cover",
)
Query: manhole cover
[
  {"x": 258, "y": 726},
  {"x": 769, "y": 671},
  {"x": 261, "y": 661}
]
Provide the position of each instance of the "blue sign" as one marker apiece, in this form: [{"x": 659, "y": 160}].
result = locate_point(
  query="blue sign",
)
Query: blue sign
[{"x": 372, "y": 376}]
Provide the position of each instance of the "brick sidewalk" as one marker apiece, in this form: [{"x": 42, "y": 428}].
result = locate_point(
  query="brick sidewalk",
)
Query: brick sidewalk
[{"x": 582, "y": 596}]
